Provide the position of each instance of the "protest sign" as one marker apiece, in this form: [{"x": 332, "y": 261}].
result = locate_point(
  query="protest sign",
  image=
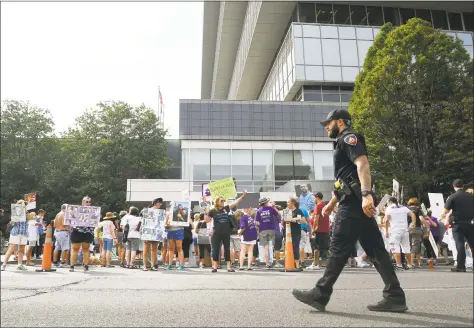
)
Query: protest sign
[
  {"x": 82, "y": 216},
  {"x": 434, "y": 245},
  {"x": 180, "y": 213},
  {"x": 437, "y": 204},
  {"x": 18, "y": 213},
  {"x": 287, "y": 215},
  {"x": 224, "y": 188},
  {"x": 383, "y": 202},
  {"x": 31, "y": 201},
  {"x": 153, "y": 224},
  {"x": 250, "y": 200},
  {"x": 396, "y": 190},
  {"x": 206, "y": 198}
]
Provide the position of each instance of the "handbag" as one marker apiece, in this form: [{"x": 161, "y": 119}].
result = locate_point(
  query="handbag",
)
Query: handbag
[{"x": 203, "y": 237}]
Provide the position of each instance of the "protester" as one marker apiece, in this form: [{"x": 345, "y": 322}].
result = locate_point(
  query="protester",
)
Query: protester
[
  {"x": 297, "y": 219},
  {"x": 248, "y": 233},
  {"x": 175, "y": 236},
  {"x": 33, "y": 236},
  {"x": 120, "y": 239},
  {"x": 18, "y": 237},
  {"x": 109, "y": 238},
  {"x": 432, "y": 223},
  {"x": 38, "y": 249},
  {"x": 187, "y": 242},
  {"x": 62, "y": 243},
  {"x": 222, "y": 229},
  {"x": 321, "y": 233},
  {"x": 151, "y": 246},
  {"x": 81, "y": 238},
  {"x": 416, "y": 231},
  {"x": 266, "y": 222},
  {"x": 131, "y": 225}
]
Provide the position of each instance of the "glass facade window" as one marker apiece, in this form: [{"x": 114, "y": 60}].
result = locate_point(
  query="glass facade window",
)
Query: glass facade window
[
  {"x": 362, "y": 49},
  {"x": 346, "y": 92},
  {"x": 242, "y": 168},
  {"x": 220, "y": 164},
  {"x": 468, "y": 21},
  {"x": 375, "y": 16},
  {"x": 455, "y": 21},
  {"x": 358, "y": 15},
  {"x": 346, "y": 32},
  {"x": 312, "y": 93},
  {"x": 312, "y": 48},
  {"x": 331, "y": 93},
  {"x": 349, "y": 53},
  {"x": 332, "y": 73},
  {"x": 424, "y": 14},
  {"x": 349, "y": 74},
  {"x": 324, "y": 14},
  {"x": 263, "y": 169},
  {"x": 331, "y": 52},
  {"x": 311, "y": 31},
  {"x": 323, "y": 165},
  {"x": 440, "y": 19},
  {"x": 406, "y": 14},
  {"x": 342, "y": 14},
  {"x": 391, "y": 16},
  {"x": 200, "y": 160},
  {"x": 306, "y": 12},
  {"x": 329, "y": 32},
  {"x": 283, "y": 166},
  {"x": 314, "y": 73},
  {"x": 304, "y": 166}
]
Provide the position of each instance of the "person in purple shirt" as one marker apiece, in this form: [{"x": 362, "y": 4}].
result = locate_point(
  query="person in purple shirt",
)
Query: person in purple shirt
[
  {"x": 433, "y": 224},
  {"x": 248, "y": 233},
  {"x": 266, "y": 223}
]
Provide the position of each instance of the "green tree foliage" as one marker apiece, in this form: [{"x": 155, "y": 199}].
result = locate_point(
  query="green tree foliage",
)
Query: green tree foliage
[
  {"x": 109, "y": 144},
  {"x": 413, "y": 101}
]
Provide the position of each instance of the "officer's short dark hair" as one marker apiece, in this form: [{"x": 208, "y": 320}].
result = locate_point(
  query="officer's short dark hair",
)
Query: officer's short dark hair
[{"x": 458, "y": 183}]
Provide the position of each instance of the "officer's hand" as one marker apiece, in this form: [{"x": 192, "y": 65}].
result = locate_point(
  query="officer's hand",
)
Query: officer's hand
[{"x": 368, "y": 206}]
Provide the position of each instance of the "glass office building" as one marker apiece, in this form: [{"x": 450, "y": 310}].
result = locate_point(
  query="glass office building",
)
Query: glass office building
[{"x": 271, "y": 71}]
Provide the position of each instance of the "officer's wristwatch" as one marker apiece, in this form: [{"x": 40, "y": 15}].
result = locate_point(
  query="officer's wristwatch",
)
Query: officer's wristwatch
[{"x": 365, "y": 192}]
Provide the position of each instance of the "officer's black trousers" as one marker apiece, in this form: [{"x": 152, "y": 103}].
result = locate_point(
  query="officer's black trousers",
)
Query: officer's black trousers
[
  {"x": 348, "y": 228},
  {"x": 463, "y": 231}
]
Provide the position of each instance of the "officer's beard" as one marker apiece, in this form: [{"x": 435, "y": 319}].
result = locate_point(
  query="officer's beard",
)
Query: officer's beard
[{"x": 334, "y": 132}]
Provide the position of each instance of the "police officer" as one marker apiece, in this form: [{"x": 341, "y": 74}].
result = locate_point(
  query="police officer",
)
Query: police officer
[
  {"x": 354, "y": 220},
  {"x": 462, "y": 221}
]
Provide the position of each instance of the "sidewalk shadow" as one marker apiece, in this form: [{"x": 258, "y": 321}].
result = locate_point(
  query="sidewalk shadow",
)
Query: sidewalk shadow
[{"x": 405, "y": 320}]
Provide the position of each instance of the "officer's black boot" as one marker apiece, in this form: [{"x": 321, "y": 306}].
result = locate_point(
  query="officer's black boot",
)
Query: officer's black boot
[{"x": 388, "y": 305}]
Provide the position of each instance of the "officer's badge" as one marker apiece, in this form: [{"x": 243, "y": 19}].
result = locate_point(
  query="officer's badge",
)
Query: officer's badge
[{"x": 350, "y": 139}]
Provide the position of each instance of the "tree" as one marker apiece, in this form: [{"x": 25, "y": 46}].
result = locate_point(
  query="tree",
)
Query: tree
[
  {"x": 27, "y": 143},
  {"x": 413, "y": 101},
  {"x": 110, "y": 144}
]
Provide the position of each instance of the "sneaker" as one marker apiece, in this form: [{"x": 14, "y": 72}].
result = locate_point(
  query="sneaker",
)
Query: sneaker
[
  {"x": 307, "y": 297},
  {"x": 458, "y": 270},
  {"x": 86, "y": 268},
  {"x": 268, "y": 266},
  {"x": 387, "y": 305},
  {"x": 278, "y": 266},
  {"x": 363, "y": 264},
  {"x": 181, "y": 268},
  {"x": 313, "y": 267},
  {"x": 57, "y": 265},
  {"x": 21, "y": 267},
  {"x": 169, "y": 268},
  {"x": 4, "y": 266},
  {"x": 71, "y": 268},
  {"x": 186, "y": 264},
  {"x": 201, "y": 265}
]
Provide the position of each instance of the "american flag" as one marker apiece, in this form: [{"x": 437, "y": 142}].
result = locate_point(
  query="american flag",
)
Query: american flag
[{"x": 161, "y": 97}]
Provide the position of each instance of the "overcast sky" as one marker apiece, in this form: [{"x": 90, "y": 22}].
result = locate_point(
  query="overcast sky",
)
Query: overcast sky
[{"x": 69, "y": 56}]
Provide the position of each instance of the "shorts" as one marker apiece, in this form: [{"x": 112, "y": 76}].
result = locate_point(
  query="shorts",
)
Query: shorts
[
  {"x": 32, "y": 243},
  {"x": 81, "y": 237},
  {"x": 416, "y": 246},
  {"x": 321, "y": 241},
  {"x": 266, "y": 236},
  {"x": 251, "y": 242},
  {"x": 175, "y": 234},
  {"x": 235, "y": 243},
  {"x": 120, "y": 237},
  {"x": 278, "y": 242},
  {"x": 304, "y": 242},
  {"x": 107, "y": 244},
  {"x": 133, "y": 244},
  {"x": 195, "y": 241},
  {"x": 399, "y": 238},
  {"x": 18, "y": 240},
  {"x": 62, "y": 241}
]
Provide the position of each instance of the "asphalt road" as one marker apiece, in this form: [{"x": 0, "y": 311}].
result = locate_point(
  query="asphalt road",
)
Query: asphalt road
[{"x": 123, "y": 298}]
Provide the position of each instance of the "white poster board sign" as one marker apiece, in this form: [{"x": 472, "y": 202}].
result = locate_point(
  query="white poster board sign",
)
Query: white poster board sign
[
  {"x": 437, "y": 204},
  {"x": 181, "y": 213},
  {"x": 396, "y": 190},
  {"x": 383, "y": 202},
  {"x": 153, "y": 224},
  {"x": 18, "y": 212},
  {"x": 82, "y": 216}
]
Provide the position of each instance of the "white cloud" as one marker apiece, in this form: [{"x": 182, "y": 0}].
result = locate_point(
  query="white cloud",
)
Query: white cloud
[{"x": 68, "y": 56}]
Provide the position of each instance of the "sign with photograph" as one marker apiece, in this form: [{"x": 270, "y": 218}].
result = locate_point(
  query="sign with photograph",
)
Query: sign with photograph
[
  {"x": 18, "y": 213},
  {"x": 287, "y": 215},
  {"x": 180, "y": 213},
  {"x": 206, "y": 198},
  {"x": 31, "y": 201},
  {"x": 82, "y": 216},
  {"x": 153, "y": 224},
  {"x": 224, "y": 188}
]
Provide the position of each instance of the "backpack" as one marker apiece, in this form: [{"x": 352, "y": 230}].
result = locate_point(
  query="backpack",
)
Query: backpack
[{"x": 126, "y": 229}]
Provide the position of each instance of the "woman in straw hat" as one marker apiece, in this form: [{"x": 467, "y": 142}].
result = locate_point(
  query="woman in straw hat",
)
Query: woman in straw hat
[{"x": 109, "y": 238}]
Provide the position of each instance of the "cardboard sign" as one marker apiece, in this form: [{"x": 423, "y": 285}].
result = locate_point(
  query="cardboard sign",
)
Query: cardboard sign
[
  {"x": 18, "y": 213},
  {"x": 396, "y": 190},
  {"x": 82, "y": 216},
  {"x": 31, "y": 200},
  {"x": 437, "y": 204},
  {"x": 180, "y": 213},
  {"x": 153, "y": 224},
  {"x": 383, "y": 202},
  {"x": 224, "y": 188}
]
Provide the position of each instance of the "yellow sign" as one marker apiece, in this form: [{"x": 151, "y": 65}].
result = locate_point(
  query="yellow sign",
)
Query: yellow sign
[{"x": 224, "y": 188}]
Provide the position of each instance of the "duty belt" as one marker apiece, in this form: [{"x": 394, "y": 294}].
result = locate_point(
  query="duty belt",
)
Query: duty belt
[{"x": 348, "y": 187}]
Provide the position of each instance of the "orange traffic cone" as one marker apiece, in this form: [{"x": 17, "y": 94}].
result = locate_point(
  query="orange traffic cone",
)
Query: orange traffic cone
[
  {"x": 289, "y": 256},
  {"x": 47, "y": 264}
]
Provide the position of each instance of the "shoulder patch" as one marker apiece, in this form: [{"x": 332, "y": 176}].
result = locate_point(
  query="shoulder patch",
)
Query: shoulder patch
[{"x": 350, "y": 139}]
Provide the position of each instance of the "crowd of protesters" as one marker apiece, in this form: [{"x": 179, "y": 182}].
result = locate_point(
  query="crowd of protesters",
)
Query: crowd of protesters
[{"x": 227, "y": 232}]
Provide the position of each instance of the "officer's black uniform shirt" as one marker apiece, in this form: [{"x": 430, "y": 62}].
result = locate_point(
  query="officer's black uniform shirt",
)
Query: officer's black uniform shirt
[
  {"x": 462, "y": 204},
  {"x": 349, "y": 146}
]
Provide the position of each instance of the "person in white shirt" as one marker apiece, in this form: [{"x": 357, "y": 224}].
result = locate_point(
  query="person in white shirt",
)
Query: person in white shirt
[
  {"x": 109, "y": 238},
  {"x": 396, "y": 217},
  {"x": 133, "y": 238}
]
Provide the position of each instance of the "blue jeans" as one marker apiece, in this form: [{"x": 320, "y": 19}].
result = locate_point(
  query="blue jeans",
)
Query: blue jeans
[{"x": 107, "y": 244}]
